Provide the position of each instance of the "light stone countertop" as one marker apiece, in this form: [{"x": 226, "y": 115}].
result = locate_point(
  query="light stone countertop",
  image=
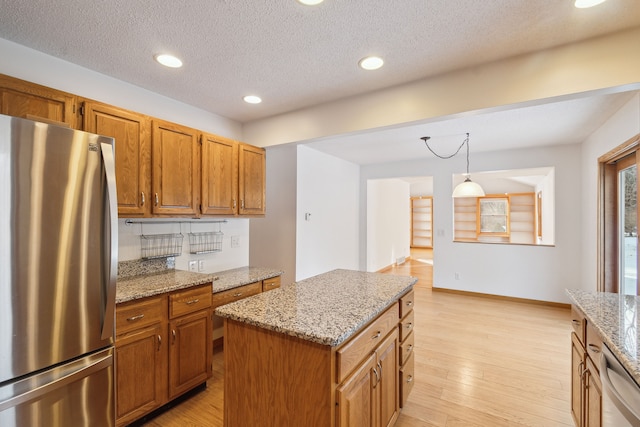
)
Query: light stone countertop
[
  {"x": 615, "y": 316},
  {"x": 325, "y": 309},
  {"x": 146, "y": 285}
]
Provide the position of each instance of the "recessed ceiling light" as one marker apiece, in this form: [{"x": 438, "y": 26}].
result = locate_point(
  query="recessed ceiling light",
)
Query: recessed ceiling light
[
  {"x": 252, "y": 99},
  {"x": 371, "y": 63},
  {"x": 583, "y": 4},
  {"x": 310, "y": 2},
  {"x": 169, "y": 61}
]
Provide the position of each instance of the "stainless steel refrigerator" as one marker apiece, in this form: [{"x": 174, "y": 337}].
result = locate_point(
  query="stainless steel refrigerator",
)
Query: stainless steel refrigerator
[{"x": 58, "y": 267}]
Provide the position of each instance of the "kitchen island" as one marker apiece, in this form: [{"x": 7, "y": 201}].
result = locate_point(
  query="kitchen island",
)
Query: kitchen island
[{"x": 320, "y": 352}]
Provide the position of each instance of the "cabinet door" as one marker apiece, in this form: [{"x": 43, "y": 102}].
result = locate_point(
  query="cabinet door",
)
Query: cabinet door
[
  {"x": 132, "y": 133},
  {"x": 593, "y": 397},
  {"x": 357, "y": 397},
  {"x": 219, "y": 176},
  {"x": 175, "y": 170},
  {"x": 31, "y": 101},
  {"x": 251, "y": 180},
  {"x": 577, "y": 368},
  {"x": 388, "y": 387},
  {"x": 190, "y": 352},
  {"x": 140, "y": 373}
]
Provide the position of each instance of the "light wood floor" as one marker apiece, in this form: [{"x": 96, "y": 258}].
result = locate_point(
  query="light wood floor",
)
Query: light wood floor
[{"x": 479, "y": 362}]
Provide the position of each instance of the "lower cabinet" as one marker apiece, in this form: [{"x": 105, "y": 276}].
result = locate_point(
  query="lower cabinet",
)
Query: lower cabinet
[
  {"x": 163, "y": 349},
  {"x": 369, "y": 397},
  {"x": 586, "y": 388}
]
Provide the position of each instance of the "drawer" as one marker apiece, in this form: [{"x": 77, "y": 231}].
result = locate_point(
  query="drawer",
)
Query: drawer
[
  {"x": 406, "y": 348},
  {"x": 406, "y": 326},
  {"x": 235, "y": 294},
  {"x": 578, "y": 322},
  {"x": 406, "y": 304},
  {"x": 594, "y": 344},
  {"x": 364, "y": 342},
  {"x": 189, "y": 300},
  {"x": 406, "y": 380},
  {"x": 140, "y": 313},
  {"x": 272, "y": 283}
]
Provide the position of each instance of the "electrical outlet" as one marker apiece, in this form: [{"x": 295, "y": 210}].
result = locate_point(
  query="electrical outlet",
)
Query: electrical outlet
[
  {"x": 235, "y": 241},
  {"x": 193, "y": 265},
  {"x": 201, "y": 265}
]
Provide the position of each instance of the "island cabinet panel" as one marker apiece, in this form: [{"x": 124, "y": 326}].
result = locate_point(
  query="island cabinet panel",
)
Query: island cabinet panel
[
  {"x": 272, "y": 379},
  {"x": 356, "y": 396}
]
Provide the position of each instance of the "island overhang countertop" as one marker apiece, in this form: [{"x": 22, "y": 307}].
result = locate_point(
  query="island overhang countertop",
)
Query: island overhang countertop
[{"x": 325, "y": 309}]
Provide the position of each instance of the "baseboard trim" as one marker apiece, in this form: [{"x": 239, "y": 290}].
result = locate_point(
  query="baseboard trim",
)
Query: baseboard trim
[{"x": 503, "y": 298}]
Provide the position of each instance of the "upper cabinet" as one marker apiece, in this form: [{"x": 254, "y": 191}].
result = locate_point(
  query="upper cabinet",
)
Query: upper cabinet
[
  {"x": 175, "y": 169},
  {"x": 163, "y": 169},
  {"x": 251, "y": 181},
  {"x": 132, "y": 133},
  {"x": 219, "y": 175},
  {"x": 35, "y": 102}
]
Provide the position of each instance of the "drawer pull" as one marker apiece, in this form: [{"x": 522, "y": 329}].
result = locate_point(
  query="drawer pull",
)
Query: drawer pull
[
  {"x": 134, "y": 318},
  {"x": 409, "y": 303},
  {"x": 143, "y": 200},
  {"x": 157, "y": 201},
  {"x": 594, "y": 348},
  {"x": 193, "y": 301},
  {"x": 271, "y": 284},
  {"x": 576, "y": 322},
  {"x": 409, "y": 378},
  {"x": 159, "y": 342},
  {"x": 409, "y": 325},
  {"x": 237, "y": 294},
  {"x": 173, "y": 335},
  {"x": 376, "y": 336},
  {"x": 409, "y": 348}
]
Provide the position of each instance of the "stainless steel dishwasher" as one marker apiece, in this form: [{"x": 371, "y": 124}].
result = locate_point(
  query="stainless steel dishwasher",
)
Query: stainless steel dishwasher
[{"x": 620, "y": 393}]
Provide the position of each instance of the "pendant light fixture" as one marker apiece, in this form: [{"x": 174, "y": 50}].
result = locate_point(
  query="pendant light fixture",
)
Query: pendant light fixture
[{"x": 467, "y": 188}]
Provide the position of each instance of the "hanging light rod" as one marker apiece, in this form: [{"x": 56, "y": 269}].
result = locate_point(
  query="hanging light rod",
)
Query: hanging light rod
[{"x": 466, "y": 188}]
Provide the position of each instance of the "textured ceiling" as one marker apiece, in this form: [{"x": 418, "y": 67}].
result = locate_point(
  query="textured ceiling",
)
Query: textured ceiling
[{"x": 291, "y": 55}]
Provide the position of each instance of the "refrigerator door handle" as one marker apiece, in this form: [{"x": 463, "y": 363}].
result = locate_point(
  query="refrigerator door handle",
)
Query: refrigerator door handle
[
  {"x": 79, "y": 372},
  {"x": 110, "y": 172}
]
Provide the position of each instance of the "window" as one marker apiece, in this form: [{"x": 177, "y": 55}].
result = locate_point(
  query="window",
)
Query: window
[{"x": 493, "y": 215}]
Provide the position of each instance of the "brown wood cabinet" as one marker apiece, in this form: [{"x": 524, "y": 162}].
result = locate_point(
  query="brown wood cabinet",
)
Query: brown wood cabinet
[
  {"x": 586, "y": 388},
  {"x": 353, "y": 384},
  {"x": 31, "y": 101},
  {"x": 175, "y": 170},
  {"x": 219, "y": 175},
  {"x": 132, "y": 132},
  {"x": 405, "y": 358},
  {"x": 251, "y": 180},
  {"x": 163, "y": 169},
  {"x": 163, "y": 349}
]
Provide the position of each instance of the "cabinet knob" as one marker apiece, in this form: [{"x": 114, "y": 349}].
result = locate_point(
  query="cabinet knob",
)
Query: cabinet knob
[
  {"x": 409, "y": 349},
  {"x": 409, "y": 303},
  {"x": 238, "y": 294},
  {"x": 594, "y": 348},
  {"x": 409, "y": 378},
  {"x": 409, "y": 325}
]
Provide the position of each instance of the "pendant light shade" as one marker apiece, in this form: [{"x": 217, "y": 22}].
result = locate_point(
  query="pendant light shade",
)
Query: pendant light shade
[{"x": 468, "y": 188}]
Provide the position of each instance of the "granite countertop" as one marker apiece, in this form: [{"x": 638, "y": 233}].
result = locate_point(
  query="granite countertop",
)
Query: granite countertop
[
  {"x": 615, "y": 316},
  {"x": 146, "y": 285},
  {"x": 325, "y": 309}
]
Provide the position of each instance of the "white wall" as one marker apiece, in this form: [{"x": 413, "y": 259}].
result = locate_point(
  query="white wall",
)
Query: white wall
[
  {"x": 229, "y": 257},
  {"x": 273, "y": 238},
  {"x": 422, "y": 187},
  {"x": 523, "y": 271},
  {"x": 388, "y": 222},
  {"x": 328, "y": 190},
  {"x": 622, "y": 126}
]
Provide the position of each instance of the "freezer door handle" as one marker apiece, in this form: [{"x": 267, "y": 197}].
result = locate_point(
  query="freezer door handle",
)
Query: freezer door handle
[
  {"x": 109, "y": 309},
  {"x": 47, "y": 385}
]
